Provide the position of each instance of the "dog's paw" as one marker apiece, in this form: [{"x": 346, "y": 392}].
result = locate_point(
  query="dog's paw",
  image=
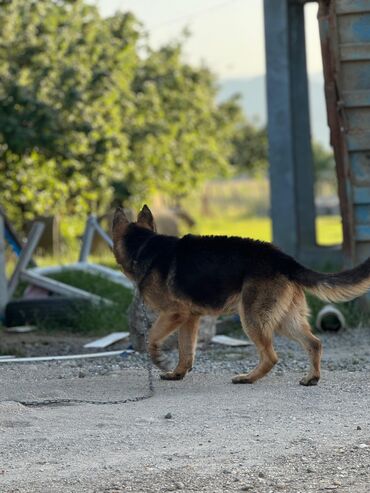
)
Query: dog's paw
[
  {"x": 172, "y": 375},
  {"x": 309, "y": 381},
  {"x": 242, "y": 379}
]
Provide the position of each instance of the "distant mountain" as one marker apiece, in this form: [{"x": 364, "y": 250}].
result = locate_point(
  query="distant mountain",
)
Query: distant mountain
[{"x": 253, "y": 100}]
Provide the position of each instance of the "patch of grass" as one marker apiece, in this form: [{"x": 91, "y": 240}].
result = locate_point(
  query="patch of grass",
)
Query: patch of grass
[
  {"x": 240, "y": 207},
  {"x": 91, "y": 318}
]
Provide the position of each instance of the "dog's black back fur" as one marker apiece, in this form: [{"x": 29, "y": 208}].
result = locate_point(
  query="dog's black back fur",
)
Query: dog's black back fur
[{"x": 207, "y": 269}]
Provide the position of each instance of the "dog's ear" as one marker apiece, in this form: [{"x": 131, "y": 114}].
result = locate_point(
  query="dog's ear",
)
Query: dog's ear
[
  {"x": 120, "y": 223},
  {"x": 145, "y": 218}
]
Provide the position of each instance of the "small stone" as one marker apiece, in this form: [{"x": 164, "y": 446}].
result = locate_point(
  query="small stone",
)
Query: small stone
[
  {"x": 81, "y": 374},
  {"x": 309, "y": 470},
  {"x": 179, "y": 485},
  {"x": 362, "y": 445},
  {"x": 336, "y": 482},
  {"x": 358, "y": 428},
  {"x": 261, "y": 475},
  {"x": 168, "y": 416},
  {"x": 246, "y": 487},
  {"x": 226, "y": 471}
]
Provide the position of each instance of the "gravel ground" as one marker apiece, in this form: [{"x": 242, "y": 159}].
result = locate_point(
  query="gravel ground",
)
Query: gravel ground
[{"x": 269, "y": 437}]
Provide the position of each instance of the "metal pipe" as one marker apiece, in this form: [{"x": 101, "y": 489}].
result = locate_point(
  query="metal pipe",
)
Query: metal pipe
[
  {"x": 87, "y": 239},
  {"x": 25, "y": 256}
]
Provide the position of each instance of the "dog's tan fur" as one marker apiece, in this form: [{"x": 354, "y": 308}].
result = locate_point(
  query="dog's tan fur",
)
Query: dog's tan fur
[{"x": 277, "y": 305}]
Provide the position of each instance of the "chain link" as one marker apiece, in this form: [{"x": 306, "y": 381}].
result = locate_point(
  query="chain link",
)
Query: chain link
[{"x": 149, "y": 366}]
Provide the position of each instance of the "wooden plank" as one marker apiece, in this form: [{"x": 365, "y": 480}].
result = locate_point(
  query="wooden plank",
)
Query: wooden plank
[
  {"x": 113, "y": 275},
  {"x": 361, "y": 195},
  {"x": 354, "y": 99},
  {"x": 354, "y": 51},
  {"x": 61, "y": 288},
  {"x": 352, "y": 6},
  {"x": 362, "y": 214},
  {"x": 360, "y": 168},
  {"x": 359, "y": 141},
  {"x": 354, "y": 28},
  {"x": 3, "y": 281},
  {"x": 107, "y": 340},
  {"x": 362, "y": 233},
  {"x": 357, "y": 120},
  {"x": 355, "y": 75}
]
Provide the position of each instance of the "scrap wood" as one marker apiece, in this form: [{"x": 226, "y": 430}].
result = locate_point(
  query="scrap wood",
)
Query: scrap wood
[
  {"x": 230, "y": 341},
  {"x": 61, "y": 288},
  {"x": 107, "y": 340},
  {"x": 21, "y": 329},
  {"x": 113, "y": 275},
  {"x": 68, "y": 356}
]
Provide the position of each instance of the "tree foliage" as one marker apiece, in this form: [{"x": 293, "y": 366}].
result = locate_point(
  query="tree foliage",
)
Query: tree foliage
[{"x": 89, "y": 113}]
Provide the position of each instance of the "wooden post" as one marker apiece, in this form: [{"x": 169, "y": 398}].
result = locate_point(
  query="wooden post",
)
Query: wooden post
[
  {"x": 290, "y": 155},
  {"x": 301, "y": 138}
]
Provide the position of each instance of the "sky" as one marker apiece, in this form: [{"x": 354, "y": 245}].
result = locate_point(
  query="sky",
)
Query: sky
[{"x": 226, "y": 35}]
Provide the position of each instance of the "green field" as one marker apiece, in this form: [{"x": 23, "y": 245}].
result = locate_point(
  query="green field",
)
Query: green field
[
  {"x": 328, "y": 228},
  {"x": 240, "y": 207}
]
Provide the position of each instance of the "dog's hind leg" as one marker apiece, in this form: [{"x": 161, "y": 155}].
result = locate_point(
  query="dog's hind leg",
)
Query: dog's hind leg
[
  {"x": 188, "y": 334},
  {"x": 267, "y": 355},
  {"x": 165, "y": 324},
  {"x": 296, "y": 327},
  {"x": 261, "y": 308}
]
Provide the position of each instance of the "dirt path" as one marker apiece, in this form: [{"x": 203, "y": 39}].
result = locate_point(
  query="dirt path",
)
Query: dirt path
[{"x": 269, "y": 437}]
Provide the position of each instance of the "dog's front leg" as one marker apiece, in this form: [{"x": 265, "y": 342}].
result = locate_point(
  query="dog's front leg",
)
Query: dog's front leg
[
  {"x": 188, "y": 334},
  {"x": 165, "y": 324}
]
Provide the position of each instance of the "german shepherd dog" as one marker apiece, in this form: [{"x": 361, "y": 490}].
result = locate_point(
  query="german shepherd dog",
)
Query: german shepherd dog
[{"x": 185, "y": 278}]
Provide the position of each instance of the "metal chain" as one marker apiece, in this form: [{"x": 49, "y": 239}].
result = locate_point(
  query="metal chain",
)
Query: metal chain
[{"x": 149, "y": 366}]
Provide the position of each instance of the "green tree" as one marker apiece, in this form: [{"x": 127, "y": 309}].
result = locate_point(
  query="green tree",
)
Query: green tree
[
  {"x": 178, "y": 136},
  {"x": 64, "y": 97},
  {"x": 89, "y": 113},
  {"x": 250, "y": 153}
]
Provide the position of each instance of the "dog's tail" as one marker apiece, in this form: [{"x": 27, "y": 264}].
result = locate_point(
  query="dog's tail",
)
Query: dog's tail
[{"x": 342, "y": 286}]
